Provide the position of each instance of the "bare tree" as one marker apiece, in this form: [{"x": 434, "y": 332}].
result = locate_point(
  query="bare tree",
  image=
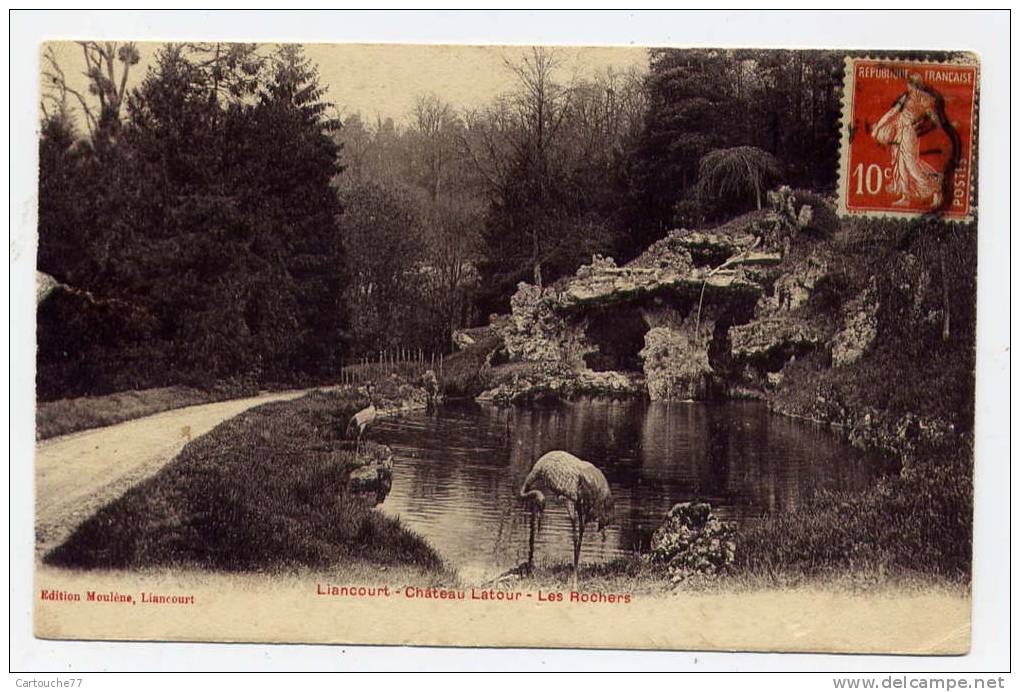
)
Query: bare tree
[
  {"x": 518, "y": 135},
  {"x": 107, "y": 65},
  {"x": 606, "y": 113},
  {"x": 434, "y": 122},
  {"x": 490, "y": 143},
  {"x": 541, "y": 103},
  {"x": 452, "y": 244}
]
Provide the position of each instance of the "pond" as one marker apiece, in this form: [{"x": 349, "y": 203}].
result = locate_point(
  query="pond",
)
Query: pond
[{"x": 457, "y": 471}]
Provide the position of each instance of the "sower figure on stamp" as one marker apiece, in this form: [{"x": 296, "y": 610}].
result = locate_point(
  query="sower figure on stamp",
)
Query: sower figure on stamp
[{"x": 914, "y": 114}]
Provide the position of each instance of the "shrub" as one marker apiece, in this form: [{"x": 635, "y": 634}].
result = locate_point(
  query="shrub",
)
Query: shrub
[
  {"x": 65, "y": 416},
  {"x": 463, "y": 372},
  {"x": 688, "y": 213},
  {"x": 238, "y": 386},
  {"x": 735, "y": 179},
  {"x": 692, "y": 541},
  {"x": 917, "y": 521}
]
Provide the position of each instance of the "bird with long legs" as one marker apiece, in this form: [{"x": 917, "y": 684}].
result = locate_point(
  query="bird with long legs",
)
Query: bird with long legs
[
  {"x": 580, "y": 484},
  {"x": 364, "y": 418}
]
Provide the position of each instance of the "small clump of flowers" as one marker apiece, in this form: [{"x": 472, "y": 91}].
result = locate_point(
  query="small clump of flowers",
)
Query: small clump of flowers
[{"x": 694, "y": 542}]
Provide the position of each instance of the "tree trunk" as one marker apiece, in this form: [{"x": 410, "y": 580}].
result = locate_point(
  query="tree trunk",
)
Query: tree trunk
[
  {"x": 945, "y": 299},
  {"x": 535, "y": 259}
]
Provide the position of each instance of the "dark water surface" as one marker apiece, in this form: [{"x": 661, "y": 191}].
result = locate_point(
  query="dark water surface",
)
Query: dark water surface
[{"x": 456, "y": 472}]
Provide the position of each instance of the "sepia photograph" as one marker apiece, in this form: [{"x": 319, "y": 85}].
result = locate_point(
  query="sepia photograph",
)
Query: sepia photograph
[{"x": 506, "y": 345}]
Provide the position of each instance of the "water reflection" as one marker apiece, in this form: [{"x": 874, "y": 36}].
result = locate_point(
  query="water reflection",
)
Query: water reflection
[{"x": 456, "y": 472}]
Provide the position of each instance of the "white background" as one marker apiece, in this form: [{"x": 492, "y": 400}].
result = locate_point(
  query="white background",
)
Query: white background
[{"x": 984, "y": 33}]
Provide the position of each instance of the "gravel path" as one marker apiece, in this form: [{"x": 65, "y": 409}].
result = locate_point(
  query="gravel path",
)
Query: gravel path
[{"x": 77, "y": 474}]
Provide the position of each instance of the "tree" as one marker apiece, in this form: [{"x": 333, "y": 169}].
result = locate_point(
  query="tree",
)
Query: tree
[
  {"x": 690, "y": 109},
  {"x": 546, "y": 154},
  {"x": 61, "y": 204},
  {"x": 356, "y": 141},
  {"x": 602, "y": 129},
  {"x": 290, "y": 159},
  {"x": 434, "y": 129},
  {"x": 791, "y": 109},
  {"x": 382, "y": 247},
  {"x": 727, "y": 177},
  {"x": 103, "y": 60},
  {"x": 233, "y": 70},
  {"x": 540, "y": 105},
  {"x": 452, "y": 244},
  {"x": 209, "y": 219},
  {"x": 196, "y": 252}
]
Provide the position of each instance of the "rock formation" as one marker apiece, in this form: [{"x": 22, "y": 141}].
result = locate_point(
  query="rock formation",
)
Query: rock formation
[
  {"x": 676, "y": 361},
  {"x": 696, "y": 313},
  {"x": 860, "y": 327}
]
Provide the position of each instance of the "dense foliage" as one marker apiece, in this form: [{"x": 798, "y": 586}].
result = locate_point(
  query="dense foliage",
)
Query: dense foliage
[
  {"x": 783, "y": 103},
  {"x": 922, "y": 275},
  {"x": 200, "y": 233},
  {"x": 214, "y": 230},
  {"x": 917, "y": 522}
]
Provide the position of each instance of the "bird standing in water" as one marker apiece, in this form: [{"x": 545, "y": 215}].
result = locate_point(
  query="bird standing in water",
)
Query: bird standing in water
[
  {"x": 583, "y": 487},
  {"x": 363, "y": 418}
]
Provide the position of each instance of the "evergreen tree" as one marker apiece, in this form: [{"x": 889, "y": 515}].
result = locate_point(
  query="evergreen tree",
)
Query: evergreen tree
[
  {"x": 210, "y": 221},
  {"x": 291, "y": 155},
  {"x": 63, "y": 238},
  {"x": 690, "y": 108},
  {"x": 783, "y": 103}
]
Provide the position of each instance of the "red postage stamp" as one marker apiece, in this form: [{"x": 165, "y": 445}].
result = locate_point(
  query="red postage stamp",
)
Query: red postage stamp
[{"x": 908, "y": 132}]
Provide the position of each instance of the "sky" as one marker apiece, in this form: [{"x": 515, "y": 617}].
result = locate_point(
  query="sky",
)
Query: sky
[{"x": 384, "y": 80}]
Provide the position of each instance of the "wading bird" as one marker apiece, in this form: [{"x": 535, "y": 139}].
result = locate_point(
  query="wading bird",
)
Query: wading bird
[
  {"x": 583, "y": 487},
  {"x": 363, "y": 418}
]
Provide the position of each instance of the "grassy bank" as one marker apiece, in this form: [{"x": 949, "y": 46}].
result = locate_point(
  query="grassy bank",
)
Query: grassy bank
[
  {"x": 913, "y": 525},
  {"x": 639, "y": 576},
  {"x": 467, "y": 373},
  {"x": 265, "y": 491},
  {"x": 63, "y": 416},
  {"x": 470, "y": 371},
  {"x": 910, "y": 531}
]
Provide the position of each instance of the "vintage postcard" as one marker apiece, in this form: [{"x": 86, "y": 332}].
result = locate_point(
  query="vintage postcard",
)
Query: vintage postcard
[{"x": 506, "y": 346}]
